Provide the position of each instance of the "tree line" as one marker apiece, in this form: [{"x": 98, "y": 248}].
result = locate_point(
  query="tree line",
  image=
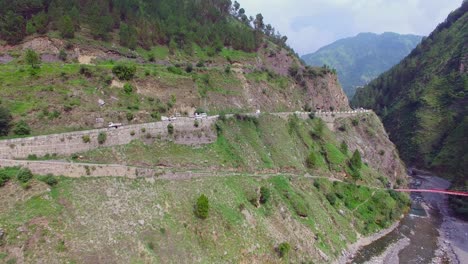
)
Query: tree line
[{"x": 144, "y": 23}]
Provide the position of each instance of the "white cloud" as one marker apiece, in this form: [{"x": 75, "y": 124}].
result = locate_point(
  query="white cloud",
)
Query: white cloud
[{"x": 311, "y": 24}]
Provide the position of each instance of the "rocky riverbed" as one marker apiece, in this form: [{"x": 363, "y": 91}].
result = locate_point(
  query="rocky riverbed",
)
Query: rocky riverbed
[{"x": 428, "y": 234}]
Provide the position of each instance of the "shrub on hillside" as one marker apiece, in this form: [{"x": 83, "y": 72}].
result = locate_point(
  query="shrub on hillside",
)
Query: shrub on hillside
[
  {"x": 175, "y": 70},
  {"x": 344, "y": 147},
  {"x": 84, "y": 70},
  {"x": 86, "y": 139},
  {"x": 312, "y": 160},
  {"x": 170, "y": 129},
  {"x": 128, "y": 88},
  {"x": 24, "y": 175},
  {"x": 331, "y": 197},
  {"x": 264, "y": 195},
  {"x": 22, "y": 128},
  {"x": 102, "y": 137},
  {"x": 356, "y": 161},
  {"x": 5, "y": 121},
  {"x": 124, "y": 72},
  {"x": 4, "y": 178},
  {"x": 129, "y": 116},
  {"x": 202, "y": 207},
  {"x": 283, "y": 249},
  {"x": 49, "y": 179}
]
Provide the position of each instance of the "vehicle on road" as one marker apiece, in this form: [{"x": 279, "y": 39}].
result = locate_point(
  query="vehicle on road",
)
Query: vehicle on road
[{"x": 114, "y": 125}]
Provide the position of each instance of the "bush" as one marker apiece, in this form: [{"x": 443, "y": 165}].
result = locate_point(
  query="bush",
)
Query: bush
[
  {"x": 174, "y": 70},
  {"x": 355, "y": 122},
  {"x": 130, "y": 116},
  {"x": 128, "y": 88},
  {"x": 189, "y": 68},
  {"x": 86, "y": 71},
  {"x": 312, "y": 160},
  {"x": 200, "y": 64},
  {"x": 196, "y": 123},
  {"x": 331, "y": 198},
  {"x": 5, "y": 121},
  {"x": 102, "y": 137},
  {"x": 344, "y": 148},
  {"x": 264, "y": 195},
  {"x": 227, "y": 70},
  {"x": 62, "y": 55},
  {"x": 283, "y": 249},
  {"x": 170, "y": 129},
  {"x": 4, "y": 178},
  {"x": 86, "y": 139},
  {"x": 200, "y": 110},
  {"x": 156, "y": 115},
  {"x": 356, "y": 161},
  {"x": 50, "y": 180},
  {"x": 22, "y": 128},
  {"x": 202, "y": 207},
  {"x": 24, "y": 175},
  {"x": 124, "y": 72}
]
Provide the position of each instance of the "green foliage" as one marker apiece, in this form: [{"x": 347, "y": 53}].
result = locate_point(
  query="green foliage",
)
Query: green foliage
[
  {"x": 32, "y": 58},
  {"x": 196, "y": 123},
  {"x": 264, "y": 195},
  {"x": 128, "y": 88},
  {"x": 22, "y": 128},
  {"x": 86, "y": 71},
  {"x": 344, "y": 147},
  {"x": 202, "y": 207},
  {"x": 312, "y": 160},
  {"x": 102, "y": 137},
  {"x": 175, "y": 70},
  {"x": 128, "y": 36},
  {"x": 124, "y": 72},
  {"x": 129, "y": 116},
  {"x": 63, "y": 55},
  {"x": 283, "y": 249},
  {"x": 24, "y": 175},
  {"x": 5, "y": 121},
  {"x": 86, "y": 139},
  {"x": 356, "y": 162},
  {"x": 66, "y": 27},
  {"x": 12, "y": 27},
  {"x": 331, "y": 197},
  {"x": 170, "y": 129},
  {"x": 4, "y": 177},
  {"x": 49, "y": 179}
]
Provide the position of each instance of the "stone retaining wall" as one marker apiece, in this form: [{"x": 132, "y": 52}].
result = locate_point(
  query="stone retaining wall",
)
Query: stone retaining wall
[{"x": 68, "y": 143}]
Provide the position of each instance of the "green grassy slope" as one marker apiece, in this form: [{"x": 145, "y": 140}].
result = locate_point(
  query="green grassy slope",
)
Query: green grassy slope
[
  {"x": 268, "y": 144},
  {"x": 141, "y": 221}
]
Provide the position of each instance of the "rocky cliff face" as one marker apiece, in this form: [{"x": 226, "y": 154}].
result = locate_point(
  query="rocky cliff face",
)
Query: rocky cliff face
[{"x": 367, "y": 134}]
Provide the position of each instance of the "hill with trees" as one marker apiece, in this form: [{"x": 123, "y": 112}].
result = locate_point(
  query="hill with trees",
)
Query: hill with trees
[
  {"x": 423, "y": 100},
  {"x": 360, "y": 59}
]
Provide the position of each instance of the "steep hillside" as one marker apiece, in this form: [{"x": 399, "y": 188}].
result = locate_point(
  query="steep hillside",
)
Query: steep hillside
[
  {"x": 280, "y": 190},
  {"x": 423, "y": 101},
  {"x": 360, "y": 59},
  {"x": 219, "y": 62}
]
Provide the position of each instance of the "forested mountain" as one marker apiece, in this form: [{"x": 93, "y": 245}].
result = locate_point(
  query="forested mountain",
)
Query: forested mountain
[
  {"x": 423, "y": 100},
  {"x": 360, "y": 59},
  {"x": 142, "y": 23}
]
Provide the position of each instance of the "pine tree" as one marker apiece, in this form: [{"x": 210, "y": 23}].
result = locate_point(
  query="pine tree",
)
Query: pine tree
[{"x": 66, "y": 27}]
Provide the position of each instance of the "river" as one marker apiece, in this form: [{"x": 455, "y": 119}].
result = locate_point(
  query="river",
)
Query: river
[{"x": 428, "y": 234}]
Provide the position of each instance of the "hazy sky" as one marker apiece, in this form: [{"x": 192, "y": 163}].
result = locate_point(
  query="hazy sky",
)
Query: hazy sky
[{"x": 311, "y": 24}]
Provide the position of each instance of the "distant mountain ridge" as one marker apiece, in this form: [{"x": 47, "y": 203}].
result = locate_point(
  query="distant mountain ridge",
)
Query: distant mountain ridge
[{"x": 360, "y": 59}]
